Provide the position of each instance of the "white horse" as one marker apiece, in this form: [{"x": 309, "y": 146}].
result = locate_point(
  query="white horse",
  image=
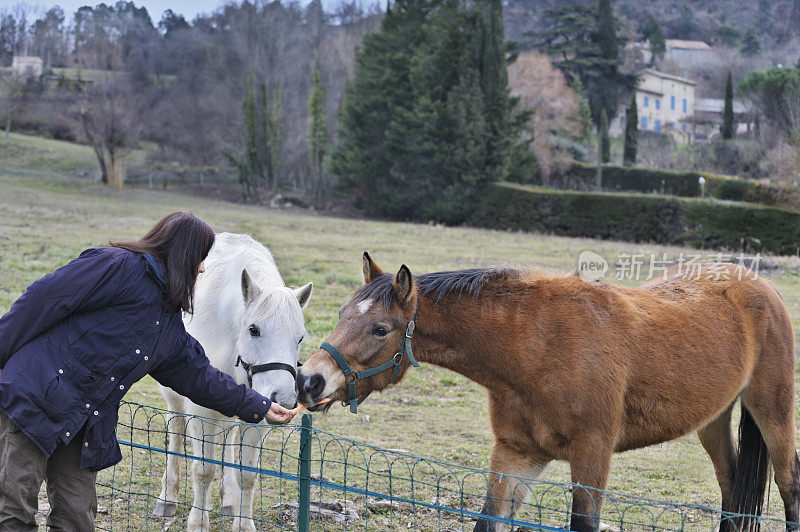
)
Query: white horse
[{"x": 244, "y": 317}]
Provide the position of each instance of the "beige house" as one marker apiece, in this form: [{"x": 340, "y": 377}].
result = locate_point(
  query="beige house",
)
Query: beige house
[
  {"x": 685, "y": 52},
  {"x": 27, "y": 66},
  {"x": 665, "y": 104}
]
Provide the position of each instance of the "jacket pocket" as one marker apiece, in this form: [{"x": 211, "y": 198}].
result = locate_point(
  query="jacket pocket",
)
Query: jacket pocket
[{"x": 85, "y": 323}]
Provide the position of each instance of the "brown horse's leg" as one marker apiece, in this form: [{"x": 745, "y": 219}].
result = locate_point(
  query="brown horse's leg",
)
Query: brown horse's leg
[
  {"x": 589, "y": 466},
  {"x": 506, "y": 494},
  {"x": 771, "y": 403},
  {"x": 718, "y": 442}
]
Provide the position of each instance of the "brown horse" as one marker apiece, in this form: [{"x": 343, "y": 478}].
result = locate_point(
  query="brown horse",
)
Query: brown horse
[{"x": 576, "y": 371}]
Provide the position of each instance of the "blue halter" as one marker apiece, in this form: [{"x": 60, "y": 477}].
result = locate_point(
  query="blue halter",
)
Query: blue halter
[{"x": 394, "y": 362}]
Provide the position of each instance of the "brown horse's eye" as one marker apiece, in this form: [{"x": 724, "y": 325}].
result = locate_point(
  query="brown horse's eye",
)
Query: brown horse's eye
[{"x": 380, "y": 331}]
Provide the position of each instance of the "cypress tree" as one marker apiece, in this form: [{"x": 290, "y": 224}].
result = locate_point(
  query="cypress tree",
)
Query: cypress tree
[
  {"x": 727, "y": 113},
  {"x": 607, "y": 86},
  {"x": 494, "y": 83},
  {"x": 605, "y": 141},
  {"x": 631, "y": 134}
]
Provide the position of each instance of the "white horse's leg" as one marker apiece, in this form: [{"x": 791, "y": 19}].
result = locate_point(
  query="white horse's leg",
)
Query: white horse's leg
[
  {"x": 251, "y": 451},
  {"x": 230, "y": 488},
  {"x": 167, "y": 504},
  {"x": 202, "y": 474}
]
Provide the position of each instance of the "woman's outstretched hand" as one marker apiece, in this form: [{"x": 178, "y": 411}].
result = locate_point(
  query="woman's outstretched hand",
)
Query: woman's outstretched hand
[{"x": 278, "y": 414}]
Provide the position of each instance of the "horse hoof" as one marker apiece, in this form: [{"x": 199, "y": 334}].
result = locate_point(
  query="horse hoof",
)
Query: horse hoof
[
  {"x": 227, "y": 510},
  {"x": 163, "y": 509}
]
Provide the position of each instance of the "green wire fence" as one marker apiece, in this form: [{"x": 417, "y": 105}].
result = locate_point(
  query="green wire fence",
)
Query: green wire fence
[{"x": 308, "y": 479}]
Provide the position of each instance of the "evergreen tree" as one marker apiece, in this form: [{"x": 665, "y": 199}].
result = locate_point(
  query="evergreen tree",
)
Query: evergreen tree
[
  {"x": 318, "y": 134},
  {"x": 727, "y": 113},
  {"x": 428, "y": 119},
  {"x": 584, "y": 111},
  {"x": 607, "y": 87},
  {"x": 631, "y": 134},
  {"x": 751, "y": 43},
  {"x": 658, "y": 44},
  {"x": 605, "y": 141},
  {"x": 258, "y": 163},
  {"x": 494, "y": 83}
]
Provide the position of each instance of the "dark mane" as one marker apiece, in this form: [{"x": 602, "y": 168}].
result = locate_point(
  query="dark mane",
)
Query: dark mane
[{"x": 437, "y": 284}]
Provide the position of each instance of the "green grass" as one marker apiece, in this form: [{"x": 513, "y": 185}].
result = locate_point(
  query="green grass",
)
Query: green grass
[{"x": 434, "y": 413}]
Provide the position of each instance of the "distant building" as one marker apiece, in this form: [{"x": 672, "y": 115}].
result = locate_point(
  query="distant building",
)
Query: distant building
[
  {"x": 27, "y": 66},
  {"x": 707, "y": 119},
  {"x": 665, "y": 104},
  {"x": 682, "y": 51}
]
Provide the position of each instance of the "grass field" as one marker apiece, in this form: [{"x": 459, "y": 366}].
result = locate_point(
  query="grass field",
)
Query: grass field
[{"x": 434, "y": 413}]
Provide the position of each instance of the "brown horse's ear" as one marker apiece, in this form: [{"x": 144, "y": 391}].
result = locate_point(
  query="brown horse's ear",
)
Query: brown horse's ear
[
  {"x": 370, "y": 269},
  {"x": 404, "y": 285}
]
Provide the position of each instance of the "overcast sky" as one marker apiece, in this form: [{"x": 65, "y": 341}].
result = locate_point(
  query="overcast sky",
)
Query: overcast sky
[{"x": 187, "y": 8}]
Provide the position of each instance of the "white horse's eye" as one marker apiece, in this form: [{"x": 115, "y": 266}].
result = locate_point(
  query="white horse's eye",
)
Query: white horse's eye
[
  {"x": 300, "y": 341},
  {"x": 254, "y": 331}
]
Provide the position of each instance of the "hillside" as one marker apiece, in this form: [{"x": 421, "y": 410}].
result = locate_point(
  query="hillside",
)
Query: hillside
[{"x": 778, "y": 22}]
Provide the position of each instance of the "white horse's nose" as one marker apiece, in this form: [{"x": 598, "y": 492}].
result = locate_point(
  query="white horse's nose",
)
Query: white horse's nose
[{"x": 279, "y": 388}]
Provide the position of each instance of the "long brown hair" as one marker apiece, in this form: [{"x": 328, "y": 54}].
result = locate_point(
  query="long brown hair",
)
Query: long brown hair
[{"x": 181, "y": 241}]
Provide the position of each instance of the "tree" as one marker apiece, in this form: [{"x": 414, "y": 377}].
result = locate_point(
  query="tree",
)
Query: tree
[
  {"x": 318, "y": 134},
  {"x": 729, "y": 36},
  {"x": 727, "y": 113},
  {"x": 582, "y": 42},
  {"x": 12, "y": 100},
  {"x": 258, "y": 163},
  {"x": 652, "y": 31},
  {"x": 110, "y": 115},
  {"x": 605, "y": 141},
  {"x": 631, "y": 133},
  {"x": 584, "y": 111},
  {"x": 775, "y": 94},
  {"x": 428, "y": 121},
  {"x": 751, "y": 43},
  {"x": 685, "y": 25}
]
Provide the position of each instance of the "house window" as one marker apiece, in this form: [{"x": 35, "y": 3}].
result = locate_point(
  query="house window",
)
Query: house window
[
  {"x": 672, "y": 103},
  {"x": 657, "y": 125},
  {"x": 658, "y": 104},
  {"x": 644, "y": 122},
  {"x": 683, "y": 126},
  {"x": 646, "y": 100},
  {"x": 684, "y": 106}
]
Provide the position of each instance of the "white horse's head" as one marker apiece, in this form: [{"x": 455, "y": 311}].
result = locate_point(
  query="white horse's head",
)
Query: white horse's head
[{"x": 269, "y": 337}]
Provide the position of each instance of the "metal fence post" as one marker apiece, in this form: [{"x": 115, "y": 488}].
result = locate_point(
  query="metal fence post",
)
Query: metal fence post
[{"x": 304, "y": 500}]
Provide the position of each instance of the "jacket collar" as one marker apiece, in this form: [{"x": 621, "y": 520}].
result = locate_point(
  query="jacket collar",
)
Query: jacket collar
[{"x": 156, "y": 269}]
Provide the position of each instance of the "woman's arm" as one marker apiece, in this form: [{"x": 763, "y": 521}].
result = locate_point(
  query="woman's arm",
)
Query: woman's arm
[
  {"x": 86, "y": 283},
  {"x": 191, "y": 374}
]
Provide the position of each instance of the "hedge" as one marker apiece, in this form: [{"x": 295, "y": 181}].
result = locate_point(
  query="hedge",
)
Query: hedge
[
  {"x": 685, "y": 184},
  {"x": 695, "y": 222}
]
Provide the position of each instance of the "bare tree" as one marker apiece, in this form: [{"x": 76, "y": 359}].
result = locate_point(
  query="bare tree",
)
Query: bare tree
[{"x": 110, "y": 118}]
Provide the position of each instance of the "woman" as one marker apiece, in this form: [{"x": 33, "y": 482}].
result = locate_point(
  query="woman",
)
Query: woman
[{"x": 76, "y": 341}]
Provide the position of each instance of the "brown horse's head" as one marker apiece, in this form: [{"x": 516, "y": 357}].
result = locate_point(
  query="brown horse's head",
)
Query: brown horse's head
[{"x": 370, "y": 333}]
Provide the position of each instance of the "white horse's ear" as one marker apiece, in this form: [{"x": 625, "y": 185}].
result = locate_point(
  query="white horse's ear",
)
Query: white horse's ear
[
  {"x": 370, "y": 269},
  {"x": 303, "y": 294},
  {"x": 250, "y": 290}
]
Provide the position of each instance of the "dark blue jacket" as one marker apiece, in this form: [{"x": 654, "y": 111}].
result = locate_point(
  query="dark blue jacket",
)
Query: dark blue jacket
[{"x": 76, "y": 341}]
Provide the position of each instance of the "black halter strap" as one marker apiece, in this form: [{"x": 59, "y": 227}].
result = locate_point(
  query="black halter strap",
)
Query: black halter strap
[
  {"x": 252, "y": 369},
  {"x": 393, "y": 363}
]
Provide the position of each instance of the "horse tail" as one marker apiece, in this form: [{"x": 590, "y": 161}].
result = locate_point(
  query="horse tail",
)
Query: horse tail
[{"x": 750, "y": 477}]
